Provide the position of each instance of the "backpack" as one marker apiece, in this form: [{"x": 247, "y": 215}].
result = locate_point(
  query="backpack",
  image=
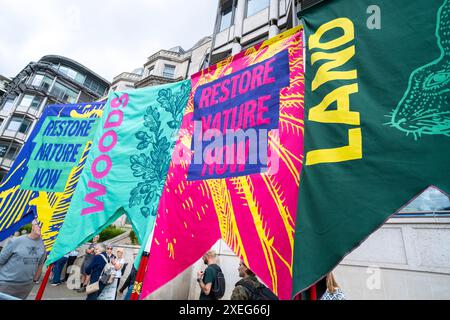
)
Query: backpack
[
  {"x": 108, "y": 273},
  {"x": 257, "y": 293},
  {"x": 218, "y": 286}
]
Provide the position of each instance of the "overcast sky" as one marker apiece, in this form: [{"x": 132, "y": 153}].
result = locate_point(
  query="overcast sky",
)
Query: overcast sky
[{"x": 107, "y": 36}]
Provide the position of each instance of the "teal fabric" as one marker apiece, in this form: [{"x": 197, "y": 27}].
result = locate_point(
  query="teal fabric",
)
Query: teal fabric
[{"x": 146, "y": 123}]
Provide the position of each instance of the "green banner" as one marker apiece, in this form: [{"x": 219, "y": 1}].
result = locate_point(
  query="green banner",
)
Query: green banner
[{"x": 377, "y": 122}]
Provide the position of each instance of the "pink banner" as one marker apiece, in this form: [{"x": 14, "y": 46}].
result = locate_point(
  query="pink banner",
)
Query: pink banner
[{"x": 250, "y": 204}]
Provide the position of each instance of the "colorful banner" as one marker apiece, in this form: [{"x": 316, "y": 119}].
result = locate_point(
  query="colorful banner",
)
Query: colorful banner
[
  {"x": 235, "y": 169},
  {"x": 377, "y": 122},
  {"x": 126, "y": 170},
  {"x": 43, "y": 178}
]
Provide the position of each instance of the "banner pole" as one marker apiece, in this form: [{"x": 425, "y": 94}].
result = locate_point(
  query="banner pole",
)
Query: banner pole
[
  {"x": 313, "y": 292},
  {"x": 137, "y": 287},
  {"x": 44, "y": 283}
]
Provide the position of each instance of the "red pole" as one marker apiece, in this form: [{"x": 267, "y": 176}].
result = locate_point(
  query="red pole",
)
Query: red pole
[
  {"x": 137, "y": 287},
  {"x": 313, "y": 292},
  {"x": 44, "y": 283}
]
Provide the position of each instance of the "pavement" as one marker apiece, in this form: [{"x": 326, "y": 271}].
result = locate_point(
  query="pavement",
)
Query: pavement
[{"x": 60, "y": 292}]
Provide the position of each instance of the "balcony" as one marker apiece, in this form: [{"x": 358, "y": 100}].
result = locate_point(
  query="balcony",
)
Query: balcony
[
  {"x": 167, "y": 55},
  {"x": 152, "y": 80},
  {"x": 127, "y": 76}
]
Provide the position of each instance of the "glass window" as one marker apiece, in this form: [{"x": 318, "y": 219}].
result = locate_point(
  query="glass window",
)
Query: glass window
[
  {"x": 8, "y": 105},
  {"x": 42, "y": 81},
  {"x": 431, "y": 202},
  {"x": 3, "y": 148},
  {"x": 64, "y": 93},
  {"x": 19, "y": 124},
  {"x": 150, "y": 70},
  {"x": 30, "y": 101},
  {"x": 8, "y": 154},
  {"x": 169, "y": 71},
  {"x": 225, "y": 17},
  {"x": 12, "y": 153},
  {"x": 95, "y": 86},
  {"x": 255, "y": 6},
  {"x": 75, "y": 75}
]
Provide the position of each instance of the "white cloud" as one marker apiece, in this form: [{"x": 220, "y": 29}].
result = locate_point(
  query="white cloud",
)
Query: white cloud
[{"x": 109, "y": 37}]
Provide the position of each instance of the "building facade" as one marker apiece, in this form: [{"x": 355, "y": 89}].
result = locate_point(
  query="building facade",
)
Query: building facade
[
  {"x": 3, "y": 83},
  {"x": 241, "y": 24},
  {"x": 165, "y": 66},
  {"x": 51, "y": 80}
]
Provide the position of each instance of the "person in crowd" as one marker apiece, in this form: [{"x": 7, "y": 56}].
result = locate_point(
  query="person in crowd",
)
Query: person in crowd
[
  {"x": 21, "y": 263},
  {"x": 129, "y": 281},
  {"x": 249, "y": 287},
  {"x": 95, "y": 268},
  {"x": 119, "y": 265},
  {"x": 109, "y": 291},
  {"x": 58, "y": 267},
  {"x": 89, "y": 256},
  {"x": 70, "y": 261},
  {"x": 109, "y": 252},
  {"x": 206, "y": 278},
  {"x": 333, "y": 291}
]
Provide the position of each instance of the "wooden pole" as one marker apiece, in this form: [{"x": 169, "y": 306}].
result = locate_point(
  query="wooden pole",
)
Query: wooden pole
[{"x": 44, "y": 283}]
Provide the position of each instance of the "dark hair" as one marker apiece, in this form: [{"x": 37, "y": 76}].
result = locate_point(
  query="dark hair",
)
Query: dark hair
[{"x": 248, "y": 271}]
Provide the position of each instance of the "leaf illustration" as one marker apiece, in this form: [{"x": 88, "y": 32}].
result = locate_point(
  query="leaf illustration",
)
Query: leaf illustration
[
  {"x": 145, "y": 140},
  {"x": 165, "y": 98},
  {"x": 142, "y": 166},
  {"x": 145, "y": 211}
]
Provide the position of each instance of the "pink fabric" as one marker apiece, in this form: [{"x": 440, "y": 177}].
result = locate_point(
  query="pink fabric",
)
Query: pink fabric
[{"x": 253, "y": 214}]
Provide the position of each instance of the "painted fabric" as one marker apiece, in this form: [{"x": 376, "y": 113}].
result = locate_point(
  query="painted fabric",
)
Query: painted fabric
[
  {"x": 126, "y": 170},
  {"x": 235, "y": 170},
  {"x": 377, "y": 122},
  {"x": 43, "y": 178}
]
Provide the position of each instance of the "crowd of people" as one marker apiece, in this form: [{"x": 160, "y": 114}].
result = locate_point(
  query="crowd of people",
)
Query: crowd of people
[{"x": 22, "y": 258}]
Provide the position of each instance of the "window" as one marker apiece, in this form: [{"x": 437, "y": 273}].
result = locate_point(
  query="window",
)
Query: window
[
  {"x": 432, "y": 202},
  {"x": 255, "y": 6},
  {"x": 95, "y": 86},
  {"x": 8, "y": 154},
  {"x": 42, "y": 81},
  {"x": 19, "y": 124},
  {"x": 3, "y": 148},
  {"x": 226, "y": 15},
  {"x": 150, "y": 70},
  {"x": 12, "y": 153},
  {"x": 75, "y": 75},
  {"x": 33, "y": 102},
  {"x": 8, "y": 105},
  {"x": 169, "y": 71},
  {"x": 64, "y": 93}
]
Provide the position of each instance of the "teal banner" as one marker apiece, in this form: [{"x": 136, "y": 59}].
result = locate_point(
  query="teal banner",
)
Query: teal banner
[{"x": 127, "y": 167}]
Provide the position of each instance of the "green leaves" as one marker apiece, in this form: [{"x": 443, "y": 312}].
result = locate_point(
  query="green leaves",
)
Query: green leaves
[{"x": 153, "y": 163}]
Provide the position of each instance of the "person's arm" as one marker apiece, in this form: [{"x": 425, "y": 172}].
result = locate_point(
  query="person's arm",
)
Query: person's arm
[
  {"x": 7, "y": 252},
  {"x": 205, "y": 283},
  {"x": 90, "y": 266},
  {"x": 38, "y": 273}
]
